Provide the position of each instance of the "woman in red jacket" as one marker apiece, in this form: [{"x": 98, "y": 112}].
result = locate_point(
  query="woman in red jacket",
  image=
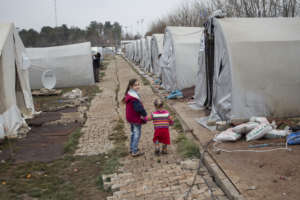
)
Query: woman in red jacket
[{"x": 135, "y": 114}]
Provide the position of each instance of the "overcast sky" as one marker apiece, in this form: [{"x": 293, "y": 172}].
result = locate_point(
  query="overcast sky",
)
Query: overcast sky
[{"x": 38, "y": 13}]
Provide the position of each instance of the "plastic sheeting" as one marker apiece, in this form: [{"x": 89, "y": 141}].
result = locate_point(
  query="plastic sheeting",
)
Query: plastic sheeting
[
  {"x": 72, "y": 65},
  {"x": 147, "y": 54},
  {"x": 15, "y": 92},
  {"x": 256, "y": 73},
  {"x": 180, "y": 57},
  {"x": 156, "y": 50},
  {"x": 143, "y": 54},
  {"x": 137, "y": 56}
]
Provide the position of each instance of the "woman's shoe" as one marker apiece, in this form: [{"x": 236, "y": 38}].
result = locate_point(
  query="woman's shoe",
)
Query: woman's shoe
[{"x": 157, "y": 152}]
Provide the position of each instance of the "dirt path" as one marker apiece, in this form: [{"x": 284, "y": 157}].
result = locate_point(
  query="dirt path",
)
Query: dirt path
[{"x": 145, "y": 177}]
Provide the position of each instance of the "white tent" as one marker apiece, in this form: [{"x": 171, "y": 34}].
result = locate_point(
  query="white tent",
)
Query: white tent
[
  {"x": 254, "y": 70},
  {"x": 156, "y": 51},
  {"x": 179, "y": 59},
  {"x": 137, "y": 57},
  {"x": 147, "y": 54},
  {"x": 72, "y": 65},
  {"x": 15, "y": 93},
  {"x": 143, "y": 53},
  {"x": 129, "y": 50},
  {"x": 108, "y": 51}
]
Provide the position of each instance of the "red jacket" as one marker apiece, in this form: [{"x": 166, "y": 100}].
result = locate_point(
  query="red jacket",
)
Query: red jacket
[{"x": 132, "y": 115}]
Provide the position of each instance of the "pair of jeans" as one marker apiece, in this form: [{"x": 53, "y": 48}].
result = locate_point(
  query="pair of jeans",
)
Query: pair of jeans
[{"x": 135, "y": 137}]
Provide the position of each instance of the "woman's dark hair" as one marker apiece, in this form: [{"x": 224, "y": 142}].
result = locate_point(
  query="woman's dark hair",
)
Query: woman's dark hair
[{"x": 130, "y": 85}]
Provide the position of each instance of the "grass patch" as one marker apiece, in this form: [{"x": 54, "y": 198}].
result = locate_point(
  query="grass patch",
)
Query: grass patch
[
  {"x": 73, "y": 141},
  {"x": 145, "y": 81},
  {"x": 120, "y": 150},
  {"x": 186, "y": 147},
  {"x": 177, "y": 126},
  {"x": 54, "y": 180}
]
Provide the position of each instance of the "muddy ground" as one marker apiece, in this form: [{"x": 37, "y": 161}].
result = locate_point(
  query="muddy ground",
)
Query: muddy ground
[
  {"x": 41, "y": 165},
  {"x": 271, "y": 175}
]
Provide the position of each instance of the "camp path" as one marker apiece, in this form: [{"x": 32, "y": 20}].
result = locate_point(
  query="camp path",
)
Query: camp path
[{"x": 166, "y": 177}]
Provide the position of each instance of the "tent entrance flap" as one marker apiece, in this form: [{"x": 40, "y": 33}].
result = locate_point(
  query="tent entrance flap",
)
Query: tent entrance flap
[{"x": 209, "y": 64}]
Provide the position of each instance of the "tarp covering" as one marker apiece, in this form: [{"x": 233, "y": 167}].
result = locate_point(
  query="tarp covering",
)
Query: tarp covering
[
  {"x": 256, "y": 67},
  {"x": 143, "y": 53},
  {"x": 129, "y": 49},
  {"x": 15, "y": 92},
  {"x": 180, "y": 57},
  {"x": 156, "y": 50},
  {"x": 147, "y": 54},
  {"x": 137, "y": 56},
  {"x": 72, "y": 65}
]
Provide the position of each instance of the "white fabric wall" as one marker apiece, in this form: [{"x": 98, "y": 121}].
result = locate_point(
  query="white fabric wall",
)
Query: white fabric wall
[
  {"x": 15, "y": 100},
  {"x": 261, "y": 72},
  {"x": 180, "y": 57},
  {"x": 156, "y": 49},
  {"x": 143, "y": 53},
  {"x": 72, "y": 65},
  {"x": 147, "y": 54}
]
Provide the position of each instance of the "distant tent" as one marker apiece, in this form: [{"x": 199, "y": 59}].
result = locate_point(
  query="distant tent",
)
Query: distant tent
[
  {"x": 143, "y": 53},
  {"x": 108, "y": 51},
  {"x": 251, "y": 73},
  {"x": 147, "y": 54},
  {"x": 15, "y": 92},
  {"x": 72, "y": 65},
  {"x": 156, "y": 50},
  {"x": 137, "y": 57},
  {"x": 179, "y": 59},
  {"x": 129, "y": 50}
]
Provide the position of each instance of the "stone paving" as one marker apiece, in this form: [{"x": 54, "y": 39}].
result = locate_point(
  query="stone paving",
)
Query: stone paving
[
  {"x": 100, "y": 118},
  {"x": 167, "y": 177}
]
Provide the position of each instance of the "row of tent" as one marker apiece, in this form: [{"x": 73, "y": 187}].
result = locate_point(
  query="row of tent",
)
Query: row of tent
[
  {"x": 240, "y": 67},
  {"x": 23, "y": 69}
]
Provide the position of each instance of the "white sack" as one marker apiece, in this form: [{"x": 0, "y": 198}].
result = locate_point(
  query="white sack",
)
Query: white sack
[
  {"x": 227, "y": 136},
  {"x": 259, "y": 132},
  {"x": 277, "y": 134},
  {"x": 245, "y": 128}
]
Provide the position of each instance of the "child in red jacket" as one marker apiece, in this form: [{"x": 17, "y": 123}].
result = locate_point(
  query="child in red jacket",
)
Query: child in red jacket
[
  {"x": 161, "y": 120},
  {"x": 135, "y": 113}
]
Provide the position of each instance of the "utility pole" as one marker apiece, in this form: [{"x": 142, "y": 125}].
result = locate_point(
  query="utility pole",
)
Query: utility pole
[
  {"x": 142, "y": 21},
  {"x": 55, "y": 13}
]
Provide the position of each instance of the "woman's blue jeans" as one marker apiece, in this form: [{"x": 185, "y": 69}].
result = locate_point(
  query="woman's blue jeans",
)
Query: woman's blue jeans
[{"x": 135, "y": 137}]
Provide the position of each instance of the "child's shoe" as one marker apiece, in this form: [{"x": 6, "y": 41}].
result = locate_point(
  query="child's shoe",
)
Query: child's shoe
[
  {"x": 157, "y": 152},
  {"x": 164, "y": 151}
]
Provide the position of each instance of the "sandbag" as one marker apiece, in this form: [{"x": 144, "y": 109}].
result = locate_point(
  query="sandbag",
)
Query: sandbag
[
  {"x": 245, "y": 128},
  {"x": 259, "y": 132},
  {"x": 227, "y": 136},
  {"x": 261, "y": 120},
  {"x": 277, "y": 134}
]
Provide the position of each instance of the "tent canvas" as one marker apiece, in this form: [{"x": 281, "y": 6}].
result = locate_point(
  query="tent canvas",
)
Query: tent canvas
[
  {"x": 143, "y": 53},
  {"x": 180, "y": 57},
  {"x": 156, "y": 50},
  {"x": 72, "y": 65},
  {"x": 15, "y": 92},
  {"x": 137, "y": 57},
  {"x": 255, "y": 73},
  {"x": 147, "y": 54}
]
